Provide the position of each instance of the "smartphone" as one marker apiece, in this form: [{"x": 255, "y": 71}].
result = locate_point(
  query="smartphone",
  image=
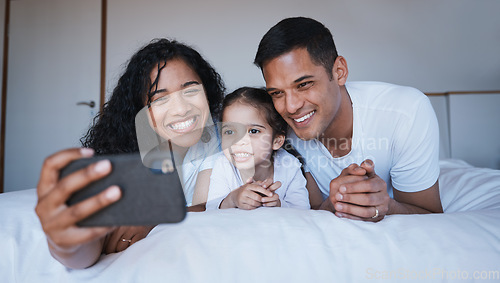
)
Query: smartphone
[{"x": 149, "y": 196}]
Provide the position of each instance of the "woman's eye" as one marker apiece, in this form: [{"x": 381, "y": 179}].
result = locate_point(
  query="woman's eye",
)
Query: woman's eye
[
  {"x": 191, "y": 92},
  {"x": 228, "y": 132},
  {"x": 254, "y": 131},
  {"x": 159, "y": 100}
]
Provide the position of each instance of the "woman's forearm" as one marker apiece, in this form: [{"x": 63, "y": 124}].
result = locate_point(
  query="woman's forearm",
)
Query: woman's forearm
[{"x": 77, "y": 258}]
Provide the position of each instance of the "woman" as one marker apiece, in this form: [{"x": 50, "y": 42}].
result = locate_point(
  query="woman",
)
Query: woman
[{"x": 159, "y": 73}]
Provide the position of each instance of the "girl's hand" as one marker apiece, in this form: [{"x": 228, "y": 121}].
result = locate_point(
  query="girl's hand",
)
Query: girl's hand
[
  {"x": 246, "y": 197},
  {"x": 125, "y": 236},
  {"x": 273, "y": 201},
  {"x": 58, "y": 220}
]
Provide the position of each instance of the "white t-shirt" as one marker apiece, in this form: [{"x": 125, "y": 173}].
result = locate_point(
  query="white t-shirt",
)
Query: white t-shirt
[
  {"x": 199, "y": 157},
  {"x": 292, "y": 193},
  {"x": 394, "y": 126}
]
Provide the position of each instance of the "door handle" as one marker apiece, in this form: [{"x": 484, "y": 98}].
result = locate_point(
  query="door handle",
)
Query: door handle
[{"x": 90, "y": 104}]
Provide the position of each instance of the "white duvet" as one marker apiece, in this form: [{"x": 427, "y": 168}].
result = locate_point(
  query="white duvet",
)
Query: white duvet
[{"x": 285, "y": 245}]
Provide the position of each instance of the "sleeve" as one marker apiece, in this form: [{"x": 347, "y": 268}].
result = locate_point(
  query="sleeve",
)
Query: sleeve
[
  {"x": 300, "y": 147},
  {"x": 219, "y": 187},
  {"x": 296, "y": 194},
  {"x": 416, "y": 149},
  {"x": 211, "y": 152}
]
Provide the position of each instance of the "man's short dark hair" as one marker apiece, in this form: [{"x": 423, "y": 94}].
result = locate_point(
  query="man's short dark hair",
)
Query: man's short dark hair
[{"x": 299, "y": 32}]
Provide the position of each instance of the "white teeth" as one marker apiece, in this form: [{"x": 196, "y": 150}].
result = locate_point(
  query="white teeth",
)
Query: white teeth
[
  {"x": 182, "y": 125},
  {"x": 242, "y": 154},
  {"x": 303, "y": 118}
]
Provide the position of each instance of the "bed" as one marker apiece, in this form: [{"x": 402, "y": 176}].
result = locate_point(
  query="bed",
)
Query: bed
[{"x": 285, "y": 245}]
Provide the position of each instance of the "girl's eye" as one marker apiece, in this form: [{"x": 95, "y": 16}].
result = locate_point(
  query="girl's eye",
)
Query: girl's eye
[{"x": 253, "y": 131}]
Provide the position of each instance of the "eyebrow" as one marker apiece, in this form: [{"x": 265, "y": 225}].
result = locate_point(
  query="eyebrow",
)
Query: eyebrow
[
  {"x": 184, "y": 85},
  {"x": 190, "y": 83},
  {"x": 296, "y": 81},
  {"x": 256, "y": 125},
  {"x": 248, "y": 125},
  {"x": 302, "y": 78}
]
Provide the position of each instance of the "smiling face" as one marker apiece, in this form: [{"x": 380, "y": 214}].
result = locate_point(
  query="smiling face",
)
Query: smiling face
[
  {"x": 179, "y": 106},
  {"x": 303, "y": 92},
  {"x": 253, "y": 148}
]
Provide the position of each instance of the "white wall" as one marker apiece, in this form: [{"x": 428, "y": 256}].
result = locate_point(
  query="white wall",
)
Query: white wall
[{"x": 436, "y": 46}]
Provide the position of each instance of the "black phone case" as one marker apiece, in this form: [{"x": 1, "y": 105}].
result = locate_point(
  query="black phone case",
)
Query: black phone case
[{"x": 149, "y": 196}]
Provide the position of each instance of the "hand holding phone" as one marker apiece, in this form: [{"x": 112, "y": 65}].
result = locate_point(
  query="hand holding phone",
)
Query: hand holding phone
[{"x": 149, "y": 196}]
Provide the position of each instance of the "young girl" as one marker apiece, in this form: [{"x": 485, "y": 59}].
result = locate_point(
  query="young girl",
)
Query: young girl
[{"x": 253, "y": 170}]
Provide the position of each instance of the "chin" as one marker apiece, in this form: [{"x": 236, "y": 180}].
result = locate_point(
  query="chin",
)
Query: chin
[
  {"x": 187, "y": 139},
  {"x": 244, "y": 166}
]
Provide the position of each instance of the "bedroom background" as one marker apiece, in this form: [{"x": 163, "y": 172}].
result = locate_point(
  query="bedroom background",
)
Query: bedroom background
[{"x": 54, "y": 61}]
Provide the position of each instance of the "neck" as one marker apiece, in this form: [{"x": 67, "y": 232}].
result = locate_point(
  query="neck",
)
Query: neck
[
  {"x": 337, "y": 137},
  {"x": 178, "y": 152},
  {"x": 259, "y": 173}
]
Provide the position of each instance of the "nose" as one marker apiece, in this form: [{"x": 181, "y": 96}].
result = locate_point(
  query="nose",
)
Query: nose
[
  {"x": 178, "y": 105},
  {"x": 244, "y": 140},
  {"x": 293, "y": 102}
]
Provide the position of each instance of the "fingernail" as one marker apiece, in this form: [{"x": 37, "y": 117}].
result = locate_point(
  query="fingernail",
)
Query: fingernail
[
  {"x": 102, "y": 166},
  {"x": 342, "y": 189},
  {"x": 339, "y": 197},
  {"x": 86, "y": 152},
  {"x": 339, "y": 214},
  {"x": 113, "y": 193},
  {"x": 338, "y": 206}
]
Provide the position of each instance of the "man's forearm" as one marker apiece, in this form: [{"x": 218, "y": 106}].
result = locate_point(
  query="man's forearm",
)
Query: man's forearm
[
  {"x": 326, "y": 205},
  {"x": 197, "y": 208},
  {"x": 396, "y": 207}
]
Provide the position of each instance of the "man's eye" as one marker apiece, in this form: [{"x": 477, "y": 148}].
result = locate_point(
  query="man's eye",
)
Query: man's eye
[
  {"x": 275, "y": 93},
  {"x": 305, "y": 85},
  {"x": 253, "y": 131}
]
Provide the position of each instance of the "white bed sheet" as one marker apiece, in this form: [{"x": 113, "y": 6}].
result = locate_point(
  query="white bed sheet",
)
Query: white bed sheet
[{"x": 285, "y": 245}]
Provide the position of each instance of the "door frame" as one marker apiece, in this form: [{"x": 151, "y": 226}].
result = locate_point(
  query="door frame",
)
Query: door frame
[{"x": 5, "y": 65}]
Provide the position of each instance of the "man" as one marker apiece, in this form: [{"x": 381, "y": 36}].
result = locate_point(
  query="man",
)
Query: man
[{"x": 391, "y": 131}]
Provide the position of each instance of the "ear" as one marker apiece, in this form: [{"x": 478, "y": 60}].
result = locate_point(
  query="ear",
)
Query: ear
[
  {"x": 340, "y": 71},
  {"x": 278, "y": 142}
]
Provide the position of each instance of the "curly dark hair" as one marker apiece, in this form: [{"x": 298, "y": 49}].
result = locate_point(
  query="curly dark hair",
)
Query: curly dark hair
[{"x": 113, "y": 130}]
